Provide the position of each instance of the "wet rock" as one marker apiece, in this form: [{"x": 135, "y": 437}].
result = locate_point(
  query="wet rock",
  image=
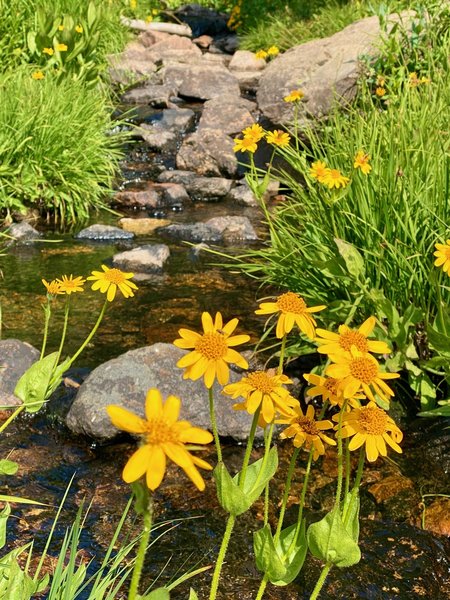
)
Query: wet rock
[
  {"x": 125, "y": 380},
  {"x": 173, "y": 194},
  {"x": 228, "y": 43},
  {"x": 202, "y": 20},
  {"x": 243, "y": 195},
  {"x": 157, "y": 138},
  {"x": 23, "y": 232},
  {"x": 229, "y": 114},
  {"x": 233, "y": 229},
  {"x": 154, "y": 95},
  {"x": 244, "y": 60},
  {"x": 191, "y": 232},
  {"x": 437, "y": 517},
  {"x": 208, "y": 152},
  {"x": 201, "y": 81},
  {"x": 137, "y": 199},
  {"x": 142, "y": 226},
  {"x": 177, "y": 176},
  {"x": 209, "y": 189},
  {"x": 163, "y": 133},
  {"x": 389, "y": 487},
  {"x": 325, "y": 69},
  {"x": 175, "y": 48},
  {"x": 15, "y": 358},
  {"x": 103, "y": 233},
  {"x": 143, "y": 259}
]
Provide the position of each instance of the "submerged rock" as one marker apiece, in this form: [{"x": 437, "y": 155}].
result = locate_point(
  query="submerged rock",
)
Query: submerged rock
[
  {"x": 143, "y": 259},
  {"x": 15, "y": 358},
  {"x": 142, "y": 226},
  {"x": 23, "y": 232},
  {"x": 103, "y": 233}
]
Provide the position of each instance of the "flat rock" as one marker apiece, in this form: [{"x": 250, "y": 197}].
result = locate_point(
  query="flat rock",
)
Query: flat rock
[
  {"x": 161, "y": 140},
  {"x": 325, "y": 69},
  {"x": 143, "y": 259},
  {"x": 233, "y": 228},
  {"x": 244, "y": 60},
  {"x": 154, "y": 95},
  {"x": 209, "y": 189},
  {"x": 242, "y": 195},
  {"x": 201, "y": 81},
  {"x": 174, "y": 48},
  {"x": 208, "y": 152},
  {"x": 177, "y": 176},
  {"x": 162, "y": 134},
  {"x": 248, "y": 80},
  {"x": 22, "y": 232},
  {"x": 149, "y": 198},
  {"x": 229, "y": 114},
  {"x": 15, "y": 358},
  {"x": 142, "y": 226},
  {"x": 103, "y": 233},
  {"x": 191, "y": 232},
  {"x": 124, "y": 381}
]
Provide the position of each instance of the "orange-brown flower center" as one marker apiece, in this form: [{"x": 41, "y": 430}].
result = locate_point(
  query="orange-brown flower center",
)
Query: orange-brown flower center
[
  {"x": 373, "y": 420},
  {"x": 291, "y": 303},
  {"x": 212, "y": 346},
  {"x": 334, "y": 174},
  {"x": 114, "y": 276},
  {"x": 308, "y": 426},
  {"x": 331, "y": 384},
  {"x": 364, "y": 369},
  {"x": 159, "y": 432},
  {"x": 261, "y": 381},
  {"x": 353, "y": 338}
]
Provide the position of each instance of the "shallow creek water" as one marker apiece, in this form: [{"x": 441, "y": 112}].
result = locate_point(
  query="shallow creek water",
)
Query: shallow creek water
[{"x": 399, "y": 559}]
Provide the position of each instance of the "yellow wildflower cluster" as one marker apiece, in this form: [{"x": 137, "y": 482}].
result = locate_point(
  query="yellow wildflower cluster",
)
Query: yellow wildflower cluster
[
  {"x": 268, "y": 54},
  {"x": 255, "y": 133},
  {"x": 333, "y": 178},
  {"x": 235, "y": 20},
  {"x": 415, "y": 80},
  {"x": 294, "y": 96}
]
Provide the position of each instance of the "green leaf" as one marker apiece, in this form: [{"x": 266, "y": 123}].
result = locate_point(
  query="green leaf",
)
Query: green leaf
[
  {"x": 8, "y": 467},
  {"x": 4, "y": 514},
  {"x": 161, "y": 593},
  {"x": 141, "y": 497},
  {"x": 330, "y": 541},
  {"x": 267, "y": 559},
  {"x": 442, "y": 321},
  {"x": 352, "y": 258},
  {"x": 440, "y": 411},
  {"x": 423, "y": 387},
  {"x": 31, "y": 42},
  {"x": 351, "y": 515},
  {"x": 91, "y": 14},
  {"x": 192, "y": 595},
  {"x": 385, "y": 308},
  {"x": 33, "y": 386},
  {"x": 20, "y": 500},
  {"x": 439, "y": 341}
]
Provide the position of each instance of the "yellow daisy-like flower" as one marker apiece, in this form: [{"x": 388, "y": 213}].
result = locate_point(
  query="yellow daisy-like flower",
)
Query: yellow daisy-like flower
[
  {"x": 360, "y": 372},
  {"x": 212, "y": 350},
  {"x": 334, "y": 179},
  {"x": 261, "y": 54},
  {"x": 61, "y": 47},
  {"x": 79, "y": 29},
  {"x": 246, "y": 144},
  {"x": 294, "y": 96},
  {"x": 112, "y": 279},
  {"x": 164, "y": 436},
  {"x": 278, "y": 138},
  {"x": 48, "y": 51},
  {"x": 414, "y": 81},
  {"x": 53, "y": 287},
  {"x": 155, "y": 11},
  {"x": 318, "y": 170},
  {"x": 273, "y": 51},
  {"x": 37, "y": 75},
  {"x": 71, "y": 284},
  {"x": 380, "y": 91},
  {"x": 328, "y": 388},
  {"x": 372, "y": 426},
  {"x": 254, "y": 132},
  {"x": 306, "y": 431},
  {"x": 361, "y": 161},
  {"x": 337, "y": 343},
  {"x": 443, "y": 256},
  {"x": 265, "y": 389}
]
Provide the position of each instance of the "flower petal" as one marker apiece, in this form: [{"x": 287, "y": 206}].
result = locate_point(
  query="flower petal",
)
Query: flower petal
[
  {"x": 137, "y": 464},
  {"x": 125, "y": 420},
  {"x": 153, "y": 404}
]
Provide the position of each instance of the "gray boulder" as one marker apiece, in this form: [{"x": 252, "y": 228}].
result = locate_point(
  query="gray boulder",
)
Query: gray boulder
[
  {"x": 208, "y": 152},
  {"x": 233, "y": 228},
  {"x": 103, "y": 233},
  {"x": 125, "y": 380},
  {"x": 15, "y": 358},
  {"x": 229, "y": 114},
  {"x": 23, "y": 232},
  {"x": 244, "y": 60},
  {"x": 154, "y": 95},
  {"x": 143, "y": 259},
  {"x": 202, "y": 81},
  {"x": 209, "y": 189},
  {"x": 191, "y": 232}
]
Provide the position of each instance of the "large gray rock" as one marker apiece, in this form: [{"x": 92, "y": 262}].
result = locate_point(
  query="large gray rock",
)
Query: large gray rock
[
  {"x": 202, "y": 81},
  {"x": 209, "y": 189},
  {"x": 154, "y": 95},
  {"x": 233, "y": 228},
  {"x": 325, "y": 69},
  {"x": 229, "y": 114},
  {"x": 244, "y": 60},
  {"x": 103, "y": 233},
  {"x": 15, "y": 358},
  {"x": 208, "y": 152},
  {"x": 191, "y": 232},
  {"x": 125, "y": 380},
  {"x": 23, "y": 232},
  {"x": 143, "y": 259},
  {"x": 175, "y": 47}
]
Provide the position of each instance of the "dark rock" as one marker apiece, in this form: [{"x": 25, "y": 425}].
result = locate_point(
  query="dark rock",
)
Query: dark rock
[
  {"x": 202, "y": 20},
  {"x": 228, "y": 43},
  {"x": 173, "y": 194},
  {"x": 162, "y": 134},
  {"x": 191, "y": 232},
  {"x": 202, "y": 81},
  {"x": 23, "y": 232},
  {"x": 233, "y": 229},
  {"x": 125, "y": 380},
  {"x": 155, "y": 95},
  {"x": 208, "y": 152},
  {"x": 15, "y": 358},
  {"x": 103, "y": 233},
  {"x": 149, "y": 198},
  {"x": 208, "y": 189},
  {"x": 248, "y": 80},
  {"x": 143, "y": 259},
  {"x": 177, "y": 176},
  {"x": 229, "y": 114}
]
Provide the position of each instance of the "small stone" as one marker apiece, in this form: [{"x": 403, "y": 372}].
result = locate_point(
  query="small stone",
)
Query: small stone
[
  {"x": 143, "y": 259},
  {"x": 242, "y": 195},
  {"x": 208, "y": 152},
  {"x": 177, "y": 176},
  {"x": 23, "y": 232},
  {"x": 203, "y": 41},
  {"x": 233, "y": 228},
  {"x": 173, "y": 194},
  {"x": 248, "y": 80},
  {"x": 437, "y": 516},
  {"x": 103, "y": 233},
  {"x": 143, "y": 226}
]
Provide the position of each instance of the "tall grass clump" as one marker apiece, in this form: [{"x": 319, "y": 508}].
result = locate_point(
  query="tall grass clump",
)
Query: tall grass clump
[{"x": 55, "y": 153}]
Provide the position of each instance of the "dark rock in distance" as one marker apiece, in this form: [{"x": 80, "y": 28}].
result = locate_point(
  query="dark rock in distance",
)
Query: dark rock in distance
[{"x": 103, "y": 233}]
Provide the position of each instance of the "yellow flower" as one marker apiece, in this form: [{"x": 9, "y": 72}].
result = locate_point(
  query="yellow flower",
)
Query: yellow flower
[
  {"x": 155, "y": 11},
  {"x": 336, "y": 343},
  {"x": 255, "y": 132},
  {"x": 334, "y": 179},
  {"x": 265, "y": 389},
  {"x": 61, "y": 47},
  {"x": 71, "y": 284},
  {"x": 306, "y": 431},
  {"x": 163, "y": 436},
  {"x": 111, "y": 279},
  {"x": 48, "y": 51},
  {"x": 318, "y": 170},
  {"x": 246, "y": 144},
  {"x": 261, "y": 54},
  {"x": 372, "y": 426},
  {"x": 293, "y": 311},
  {"x": 133, "y": 4},
  {"x": 212, "y": 350},
  {"x": 413, "y": 79},
  {"x": 273, "y": 51},
  {"x": 79, "y": 29},
  {"x": 380, "y": 92},
  {"x": 278, "y": 138},
  {"x": 37, "y": 75},
  {"x": 328, "y": 388},
  {"x": 360, "y": 372},
  {"x": 381, "y": 80},
  {"x": 362, "y": 162},
  {"x": 53, "y": 288},
  {"x": 149, "y": 19},
  {"x": 61, "y": 27},
  {"x": 425, "y": 80},
  {"x": 443, "y": 256},
  {"x": 294, "y": 96}
]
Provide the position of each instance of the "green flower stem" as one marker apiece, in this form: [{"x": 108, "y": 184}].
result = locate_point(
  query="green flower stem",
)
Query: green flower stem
[
  {"x": 91, "y": 335},
  {"x": 64, "y": 331},
  {"x": 267, "y": 442},
  {"x": 357, "y": 483},
  {"x": 347, "y": 468},
  {"x": 11, "y": 418},
  {"x": 137, "y": 570},
  {"x": 212, "y": 415},
  {"x": 340, "y": 457},
  {"x": 266, "y": 503},
  {"x": 287, "y": 489},
  {"x": 262, "y": 587},
  {"x": 282, "y": 351},
  {"x": 321, "y": 581},
  {"x": 304, "y": 488},
  {"x": 221, "y": 557},
  {"x": 248, "y": 450},
  {"x": 47, "y": 312}
]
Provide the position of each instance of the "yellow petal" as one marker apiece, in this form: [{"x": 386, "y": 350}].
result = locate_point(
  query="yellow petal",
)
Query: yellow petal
[
  {"x": 125, "y": 420},
  {"x": 236, "y": 340},
  {"x": 368, "y": 326},
  {"x": 153, "y": 404},
  {"x": 171, "y": 409},
  {"x": 207, "y": 322},
  {"x": 111, "y": 292},
  {"x": 230, "y": 327},
  {"x": 267, "y": 308},
  {"x": 195, "y": 435},
  {"x": 357, "y": 441},
  {"x": 223, "y": 372},
  {"x": 371, "y": 449},
  {"x": 218, "y": 321},
  {"x": 189, "y": 359},
  {"x": 137, "y": 464},
  {"x": 156, "y": 467}
]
